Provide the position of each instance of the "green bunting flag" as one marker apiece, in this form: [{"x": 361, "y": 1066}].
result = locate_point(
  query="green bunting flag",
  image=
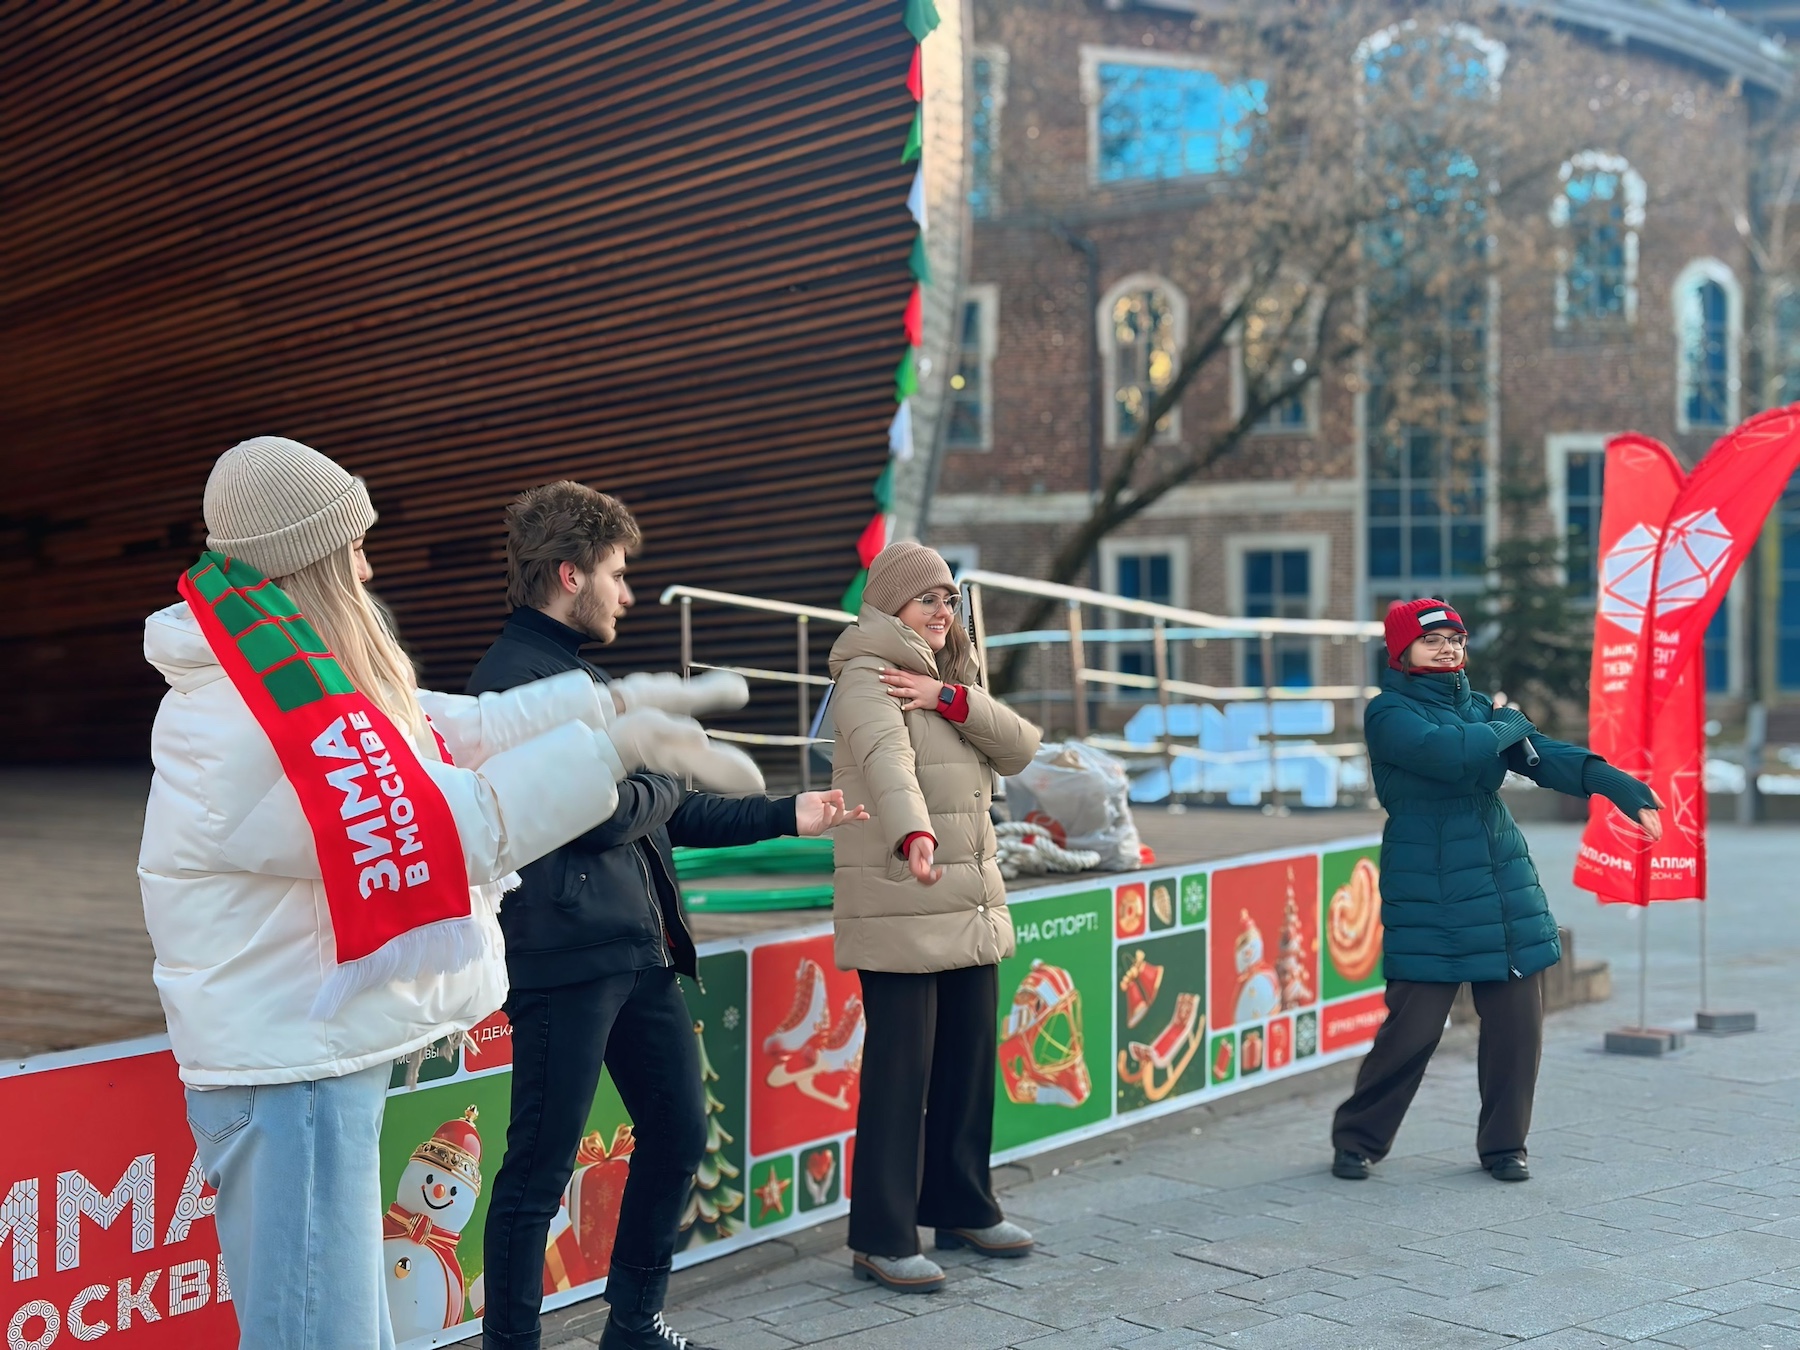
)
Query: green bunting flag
[
  {"x": 884, "y": 488},
  {"x": 852, "y": 601},
  {"x": 915, "y": 138},
  {"x": 906, "y": 375},
  {"x": 918, "y": 264},
  {"x": 921, "y": 18}
]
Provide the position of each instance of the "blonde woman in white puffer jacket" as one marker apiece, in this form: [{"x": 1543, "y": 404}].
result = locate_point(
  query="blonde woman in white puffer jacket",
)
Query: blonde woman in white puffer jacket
[{"x": 285, "y": 1091}]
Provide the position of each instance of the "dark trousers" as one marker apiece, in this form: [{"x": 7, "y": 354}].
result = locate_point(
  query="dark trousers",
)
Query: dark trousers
[
  {"x": 925, "y": 1124},
  {"x": 638, "y": 1025},
  {"x": 1512, "y": 1041}
]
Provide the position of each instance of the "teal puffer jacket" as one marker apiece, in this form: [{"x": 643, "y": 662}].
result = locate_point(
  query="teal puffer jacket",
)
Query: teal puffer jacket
[{"x": 1460, "y": 896}]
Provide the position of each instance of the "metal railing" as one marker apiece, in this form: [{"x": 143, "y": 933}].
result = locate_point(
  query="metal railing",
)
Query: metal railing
[{"x": 1168, "y": 623}]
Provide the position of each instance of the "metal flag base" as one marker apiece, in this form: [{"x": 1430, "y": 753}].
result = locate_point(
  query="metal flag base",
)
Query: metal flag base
[
  {"x": 1643, "y": 1041},
  {"x": 1724, "y": 1023}
]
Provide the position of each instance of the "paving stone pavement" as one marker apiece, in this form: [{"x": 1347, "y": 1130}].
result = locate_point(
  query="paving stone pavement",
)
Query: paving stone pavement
[{"x": 1664, "y": 1208}]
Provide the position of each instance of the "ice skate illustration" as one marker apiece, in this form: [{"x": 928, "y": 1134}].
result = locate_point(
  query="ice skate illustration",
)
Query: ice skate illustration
[
  {"x": 809, "y": 1017},
  {"x": 826, "y": 1054}
]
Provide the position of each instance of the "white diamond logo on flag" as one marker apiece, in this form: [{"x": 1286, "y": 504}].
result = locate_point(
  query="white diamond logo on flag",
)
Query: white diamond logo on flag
[
  {"x": 1625, "y": 578},
  {"x": 1694, "y": 554}
]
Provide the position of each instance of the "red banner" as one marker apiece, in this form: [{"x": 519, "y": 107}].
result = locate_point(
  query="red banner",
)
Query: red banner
[{"x": 1643, "y": 481}]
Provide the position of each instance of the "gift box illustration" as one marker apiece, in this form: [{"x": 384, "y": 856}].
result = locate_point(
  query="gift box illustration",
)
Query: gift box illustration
[{"x": 579, "y": 1249}]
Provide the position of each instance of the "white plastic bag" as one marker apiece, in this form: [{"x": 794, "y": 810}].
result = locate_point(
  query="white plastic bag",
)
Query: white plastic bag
[{"x": 1082, "y": 798}]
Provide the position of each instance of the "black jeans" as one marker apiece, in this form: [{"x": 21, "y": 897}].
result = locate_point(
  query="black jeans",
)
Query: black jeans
[
  {"x": 637, "y": 1024},
  {"x": 1512, "y": 1042},
  {"x": 925, "y": 1124}
]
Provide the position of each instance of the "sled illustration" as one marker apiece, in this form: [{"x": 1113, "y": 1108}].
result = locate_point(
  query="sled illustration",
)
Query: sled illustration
[{"x": 1156, "y": 1068}]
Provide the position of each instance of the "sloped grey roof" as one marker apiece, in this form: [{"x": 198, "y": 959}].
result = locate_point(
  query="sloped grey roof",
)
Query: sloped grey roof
[{"x": 1694, "y": 32}]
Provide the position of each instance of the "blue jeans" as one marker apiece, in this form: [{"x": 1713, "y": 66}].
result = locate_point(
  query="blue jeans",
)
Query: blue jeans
[{"x": 298, "y": 1174}]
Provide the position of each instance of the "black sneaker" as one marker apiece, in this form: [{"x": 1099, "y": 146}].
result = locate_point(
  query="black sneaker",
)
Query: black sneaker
[
  {"x": 1509, "y": 1167},
  {"x": 1351, "y": 1166},
  {"x": 651, "y": 1333}
]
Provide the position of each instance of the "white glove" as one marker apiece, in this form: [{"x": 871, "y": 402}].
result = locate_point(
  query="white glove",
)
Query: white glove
[
  {"x": 649, "y": 738},
  {"x": 714, "y": 691}
]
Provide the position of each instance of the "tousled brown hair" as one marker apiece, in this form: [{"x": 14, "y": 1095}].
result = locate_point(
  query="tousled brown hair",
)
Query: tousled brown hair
[{"x": 560, "y": 523}]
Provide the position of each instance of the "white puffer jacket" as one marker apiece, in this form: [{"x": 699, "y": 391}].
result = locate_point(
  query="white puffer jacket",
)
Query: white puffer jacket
[{"x": 230, "y": 878}]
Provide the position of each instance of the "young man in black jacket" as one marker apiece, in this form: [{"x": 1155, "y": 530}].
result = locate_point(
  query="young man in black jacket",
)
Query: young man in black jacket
[{"x": 596, "y": 936}]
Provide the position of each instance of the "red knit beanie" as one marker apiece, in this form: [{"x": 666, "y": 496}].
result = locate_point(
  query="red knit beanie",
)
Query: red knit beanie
[{"x": 1410, "y": 620}]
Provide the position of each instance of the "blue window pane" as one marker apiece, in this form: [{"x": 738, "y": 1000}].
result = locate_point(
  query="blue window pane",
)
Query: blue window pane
[
  {"x": 1718, "y": 650},
  {"x": 1467, "y": 556},
  {"x": 1384, "y": 552},
  {"x": 1424, "y": 502},
  {"x": 1131, "y": 578},
  {"x": 1706, "y": 356},
  {"x": 984, "y": 130},
  {"x": 1165, "y": 122},
  {"x": 1259, "y": 573},
  {"x": 1787, "y": 645},
  {"x": 1294, "y": 667},
  {"x": 1134, "y": 662},
  {"x": 1296, "y": 574},
  {"x": 1159, "y": 579},
  {"x": 1384, "y": 501},
  {"x": 1427, "y": 551}
]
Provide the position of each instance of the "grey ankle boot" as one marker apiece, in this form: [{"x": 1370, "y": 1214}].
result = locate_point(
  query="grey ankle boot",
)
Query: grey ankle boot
[
  {"x": 909, "y": 1274},
  {"x": 997, "y": 1239}
]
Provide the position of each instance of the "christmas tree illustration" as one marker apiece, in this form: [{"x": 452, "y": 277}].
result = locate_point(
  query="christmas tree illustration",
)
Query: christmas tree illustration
[{"x": 714, "y": 1208}]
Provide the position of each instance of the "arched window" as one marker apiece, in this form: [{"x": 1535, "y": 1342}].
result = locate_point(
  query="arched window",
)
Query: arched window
[
  {"x": 1143, "y": 322},
  {"x": 1708, "y": 320},
  {"x": 1274, "y": 342},
  {"x": 1599, "y": 210}
]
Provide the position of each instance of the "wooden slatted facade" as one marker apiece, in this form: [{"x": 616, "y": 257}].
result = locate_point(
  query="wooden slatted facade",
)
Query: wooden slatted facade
[{"x": 658, "y": 246}]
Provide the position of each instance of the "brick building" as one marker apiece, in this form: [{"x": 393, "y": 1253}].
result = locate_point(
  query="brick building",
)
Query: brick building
[{"x": 1640, "y": 324}]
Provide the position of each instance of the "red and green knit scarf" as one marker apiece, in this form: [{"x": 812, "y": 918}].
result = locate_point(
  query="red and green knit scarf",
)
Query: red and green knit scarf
[{"x": 389, "y": 853}]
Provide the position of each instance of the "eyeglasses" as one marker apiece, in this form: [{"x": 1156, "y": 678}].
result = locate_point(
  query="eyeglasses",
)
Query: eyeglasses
[
  {"x": 930, "y": 602},
  {"x": 1436, "y": 642}
]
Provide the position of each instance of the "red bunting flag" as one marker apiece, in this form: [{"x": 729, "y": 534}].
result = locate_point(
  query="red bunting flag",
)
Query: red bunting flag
[
  {"x": 914, "y": 319},
  {"x": 915, "y": 76},
  {"x": 874, "y": 538}
]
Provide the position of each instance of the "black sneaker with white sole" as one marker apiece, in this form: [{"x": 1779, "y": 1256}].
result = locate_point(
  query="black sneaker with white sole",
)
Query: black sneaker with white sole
[{"x": 643, "y": 1333}]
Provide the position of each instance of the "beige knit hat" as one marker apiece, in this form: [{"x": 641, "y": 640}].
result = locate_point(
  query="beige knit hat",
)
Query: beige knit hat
[
  {"x": 280, "y": 506},
  {"x": 902, "y": 571}
]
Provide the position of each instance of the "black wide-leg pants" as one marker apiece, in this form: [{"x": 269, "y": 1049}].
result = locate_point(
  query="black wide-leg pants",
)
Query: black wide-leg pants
[
  {"x": 1512, "y": 1041},
  {"x": 925, "y": 1123}
]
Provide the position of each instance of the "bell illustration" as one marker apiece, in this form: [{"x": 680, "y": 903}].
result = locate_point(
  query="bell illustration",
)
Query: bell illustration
[{"x": 1140, "y": 985}]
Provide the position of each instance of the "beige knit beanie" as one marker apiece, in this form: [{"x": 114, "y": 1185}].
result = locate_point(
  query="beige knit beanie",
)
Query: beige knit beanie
[
  {"x": 903, "y": 571},
  {"x": 280, "y": 506}
]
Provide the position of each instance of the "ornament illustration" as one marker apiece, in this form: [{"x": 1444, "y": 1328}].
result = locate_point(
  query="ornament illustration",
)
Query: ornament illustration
[
  {"x": 1281, "y": 1043},
  {"x": 1157, "y": 1067},
  {"x": 809, "y": 1046},
  {"x": 1258, "y": 989},
  {"x": 771, "y": 1195},
  {"x": 1140, "y": 985},
  {"x": 1306, "y": 1035},
  {"x": 434, "y": 1200},
  {"x": 1292, "y": 967},
  {"x": 1129, "y": 917},
  {"x": 1353, "y": 923},
  {"x": 818, "y": 1172},
  {"x": 1040, "y": 1055},
  {"x": 1162, "y": 905}
]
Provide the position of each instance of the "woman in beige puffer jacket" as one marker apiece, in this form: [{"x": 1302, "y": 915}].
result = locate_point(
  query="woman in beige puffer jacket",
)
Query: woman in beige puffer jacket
[{"x": 920, "y": 913}]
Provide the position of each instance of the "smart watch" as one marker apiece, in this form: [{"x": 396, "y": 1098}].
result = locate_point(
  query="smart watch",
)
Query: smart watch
[{"x": 947, "y": 696}]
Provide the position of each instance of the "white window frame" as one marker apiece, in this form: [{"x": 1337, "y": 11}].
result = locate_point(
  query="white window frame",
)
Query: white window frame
[
  {"x": 1240, "y": 379},
  {"x": 1109, "y": 350},
  {"x": 1558, "y": 446},
  {"x": 1631, "y": 183},
  {"x": 986, "y": 296},
  {"x": 1686, "y": 283},
  {"x": 996, "y": 58},
  {"x": 961, "y": 557},
  {"x": 1111, "y": 550},
  {"x": 1318, "y": 548},
  {"x": 1091, "y": 59}
]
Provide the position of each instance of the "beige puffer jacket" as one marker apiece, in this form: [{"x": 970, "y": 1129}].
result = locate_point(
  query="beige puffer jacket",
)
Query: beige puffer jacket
[{"x": 917, "y": 771}]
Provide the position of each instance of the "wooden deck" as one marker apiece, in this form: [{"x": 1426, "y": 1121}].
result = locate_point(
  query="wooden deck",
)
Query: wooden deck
[{"x": 75, "y": 959}]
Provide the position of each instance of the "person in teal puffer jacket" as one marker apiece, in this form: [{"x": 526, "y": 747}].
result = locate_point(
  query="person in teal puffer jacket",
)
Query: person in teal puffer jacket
[{"x": 1460, "y": 896}]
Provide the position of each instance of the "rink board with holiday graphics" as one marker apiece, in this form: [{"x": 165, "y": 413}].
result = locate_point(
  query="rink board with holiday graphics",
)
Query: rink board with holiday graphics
[{"x": 1127, "y": 997}]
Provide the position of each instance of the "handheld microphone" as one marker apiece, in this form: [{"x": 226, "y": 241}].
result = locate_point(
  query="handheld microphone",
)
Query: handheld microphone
[{"x": 1531, "y": 754}]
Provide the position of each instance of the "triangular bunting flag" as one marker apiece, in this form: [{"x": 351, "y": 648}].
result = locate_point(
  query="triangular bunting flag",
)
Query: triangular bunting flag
[
  {"x": 918, "y": 264},
  {"x": 874, "y": 538},
  {"x": 921, "y": 18},
  {"x": 852, "y": 601},
  {"x": 914, "y": 318},
  {"x": 906, "y": 375},
  {"x": 915, "y": 138},
  {"x": 915, "y": 199},
  {"x": 900, "y": 442},
  {"x": 884, "y": 487},
  {"x": 915, "y": 76}
]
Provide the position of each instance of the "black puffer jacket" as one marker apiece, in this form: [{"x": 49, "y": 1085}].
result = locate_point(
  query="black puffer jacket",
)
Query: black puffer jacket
[{"x": 608, "y": 902}]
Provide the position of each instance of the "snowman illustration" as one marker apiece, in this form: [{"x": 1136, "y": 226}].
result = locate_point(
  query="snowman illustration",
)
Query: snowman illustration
[{"x": 435, "y": 1198}]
